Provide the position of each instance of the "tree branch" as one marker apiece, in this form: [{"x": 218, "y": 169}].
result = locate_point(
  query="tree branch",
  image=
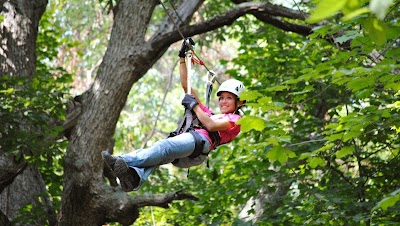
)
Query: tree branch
[
  {"x": 4, "y": 219},
  {"x": 185, "y": 12},
  {"x": 284, "y": 25},
  {"x": 340, "y": 173},
  {"x": 264, "y": 11},
  {"x": 162, "y": 200},
  {"x": 11, "y": 168},
  {"x": 119, "y": 207},
  {"x": 261, "y": 10}
]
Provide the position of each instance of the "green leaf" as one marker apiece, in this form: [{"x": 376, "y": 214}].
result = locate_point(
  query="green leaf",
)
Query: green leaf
[
  {"x": 395, "y": 105},
  {"x": 273, "y": 141},
  {"x": 305, "y": 155},
  {"x": 325, "y": 9},
  {"x": 277, "y": 88},
  {"x": 348, "y": 35},
  {"x": 316, "y": 161},
  {"x": 376, "y": 30},
  {"x": 360, "y": 83},
  {"x": 385, "y": 113},
  {"x": 265, "y": 100},
  {"x": 333, "y": 137},
  {"x": 320, "y": 30},
  {"x": 280, "y": 154},
  {"x": 8, "y": 91},
  {"x": 248, "y": 123},
  {"x": 355, "y": 13},
  {"x": 351, "y": 134},
  {"x": 250, "y": 95},
  {"x": 394, "y": 85},
  {"x": 388, "y": 201},
  {"x": 326, "y": 147},
  {"x": 351, "y": 5},
  {"x": 344, "y": 151}
]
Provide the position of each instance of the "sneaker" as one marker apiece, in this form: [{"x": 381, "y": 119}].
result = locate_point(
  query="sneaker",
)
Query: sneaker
[
  {"x": 109, "y": 159},
  {"x": 128, "y": 177}
]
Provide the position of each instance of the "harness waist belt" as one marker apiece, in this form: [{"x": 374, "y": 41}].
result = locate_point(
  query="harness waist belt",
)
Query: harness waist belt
[{"x": 198, "y": 145}]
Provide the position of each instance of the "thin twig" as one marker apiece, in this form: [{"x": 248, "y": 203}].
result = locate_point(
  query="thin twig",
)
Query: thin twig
[{"x": 161, "y": 106}]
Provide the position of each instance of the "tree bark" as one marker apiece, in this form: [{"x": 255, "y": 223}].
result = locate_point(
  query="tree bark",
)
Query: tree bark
[
  {"x": 125, "y": 61},
  {"x": 20, "y": 185},
  {"x": 18, "y": 33}
]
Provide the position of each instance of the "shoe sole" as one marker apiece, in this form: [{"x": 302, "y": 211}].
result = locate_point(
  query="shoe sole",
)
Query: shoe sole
[{"x": 122, "y": 171}]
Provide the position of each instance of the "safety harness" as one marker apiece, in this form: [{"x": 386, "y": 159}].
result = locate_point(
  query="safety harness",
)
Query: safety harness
[{"x": 190, "y": 121}]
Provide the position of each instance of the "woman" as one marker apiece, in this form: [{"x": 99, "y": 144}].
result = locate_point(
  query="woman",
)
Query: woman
[{"x": 134, "y": 168}]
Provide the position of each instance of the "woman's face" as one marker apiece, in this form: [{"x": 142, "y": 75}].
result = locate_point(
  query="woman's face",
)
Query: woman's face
[{"x": 227, "y": 102}]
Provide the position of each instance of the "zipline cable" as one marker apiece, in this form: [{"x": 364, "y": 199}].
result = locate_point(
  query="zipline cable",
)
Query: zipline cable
[
  {"x": 199, "y": 61},
  {"x": 172, "y": 19},
  {"x": 177, "y": 14}
]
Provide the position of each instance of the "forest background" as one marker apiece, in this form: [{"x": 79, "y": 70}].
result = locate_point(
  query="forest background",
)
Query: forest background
[{"x": 319, "y": 142}]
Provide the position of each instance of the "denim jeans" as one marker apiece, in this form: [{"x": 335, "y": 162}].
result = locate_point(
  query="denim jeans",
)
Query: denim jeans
[{"x": 145, "y": 161}]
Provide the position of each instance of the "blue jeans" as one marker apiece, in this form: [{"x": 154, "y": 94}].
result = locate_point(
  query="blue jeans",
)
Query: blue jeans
[{"x": 145, "y": 161}]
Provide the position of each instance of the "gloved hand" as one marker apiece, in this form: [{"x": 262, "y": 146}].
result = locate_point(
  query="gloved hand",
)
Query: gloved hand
[
  {"x": 189, "y": 101},
  {"x": 186, "y": 45}
]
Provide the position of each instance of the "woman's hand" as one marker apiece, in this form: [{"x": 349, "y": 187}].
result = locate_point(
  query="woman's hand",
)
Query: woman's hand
[{"x": 189, "y": 101}]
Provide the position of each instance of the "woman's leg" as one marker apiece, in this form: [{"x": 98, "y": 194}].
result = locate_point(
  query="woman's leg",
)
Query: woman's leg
[
  {"x": 134, "y": 168},
  {"x": 162, "y": 152},
  {"x": 143, "y": 173},
  {"x": 131, "y": 178}
]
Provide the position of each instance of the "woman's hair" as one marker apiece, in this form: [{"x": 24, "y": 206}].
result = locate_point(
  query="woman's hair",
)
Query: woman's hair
[{"x": 239, "y": 107}]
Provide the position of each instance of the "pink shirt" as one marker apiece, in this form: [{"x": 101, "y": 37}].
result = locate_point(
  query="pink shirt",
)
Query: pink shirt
[{"x": 226, "y": 135}]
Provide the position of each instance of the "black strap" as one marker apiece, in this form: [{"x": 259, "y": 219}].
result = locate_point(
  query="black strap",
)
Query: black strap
[
  {"x": 199, "y": 145},
  {"x": 185, "y": 124},
  {"x": 208, "y": 93}
]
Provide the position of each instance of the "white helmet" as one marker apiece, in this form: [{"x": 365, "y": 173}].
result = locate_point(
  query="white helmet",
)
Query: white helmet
[{"x": 231, "y": 85}]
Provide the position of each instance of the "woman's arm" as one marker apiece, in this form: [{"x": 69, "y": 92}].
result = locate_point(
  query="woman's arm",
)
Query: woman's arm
[
  {"x": 183, "y": 77},
  {"x": 210, "y": 124}
]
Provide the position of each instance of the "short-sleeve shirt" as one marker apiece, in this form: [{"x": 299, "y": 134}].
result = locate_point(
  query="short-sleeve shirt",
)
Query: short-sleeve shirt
[{"x": 225, "y": 135}]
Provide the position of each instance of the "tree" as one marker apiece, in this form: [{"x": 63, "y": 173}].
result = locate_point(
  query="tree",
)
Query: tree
[{"x": 87, "y": 199}]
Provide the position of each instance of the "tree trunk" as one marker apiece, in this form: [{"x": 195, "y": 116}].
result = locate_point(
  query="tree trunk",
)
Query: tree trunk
[
  {"x": 125, "y": 61},
  {"x": 18, "y": 58},
  {"x": 18, "y": 33},
  {"x": 86, "y": 201}
]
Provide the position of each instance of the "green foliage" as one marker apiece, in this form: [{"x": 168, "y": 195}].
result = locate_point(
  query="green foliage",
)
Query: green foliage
[
  {"x": 38, "y": 104},
  {"x": 136, "y": 125},
  {"x": 375, "y": 27},
  {"x": 319, "y": 142},
  {"x": 389, "y": 201},
  {"x": 83, "y": 30},
  {"x": 108, "y": 5},
  {"x": 336, "y": 179}
]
